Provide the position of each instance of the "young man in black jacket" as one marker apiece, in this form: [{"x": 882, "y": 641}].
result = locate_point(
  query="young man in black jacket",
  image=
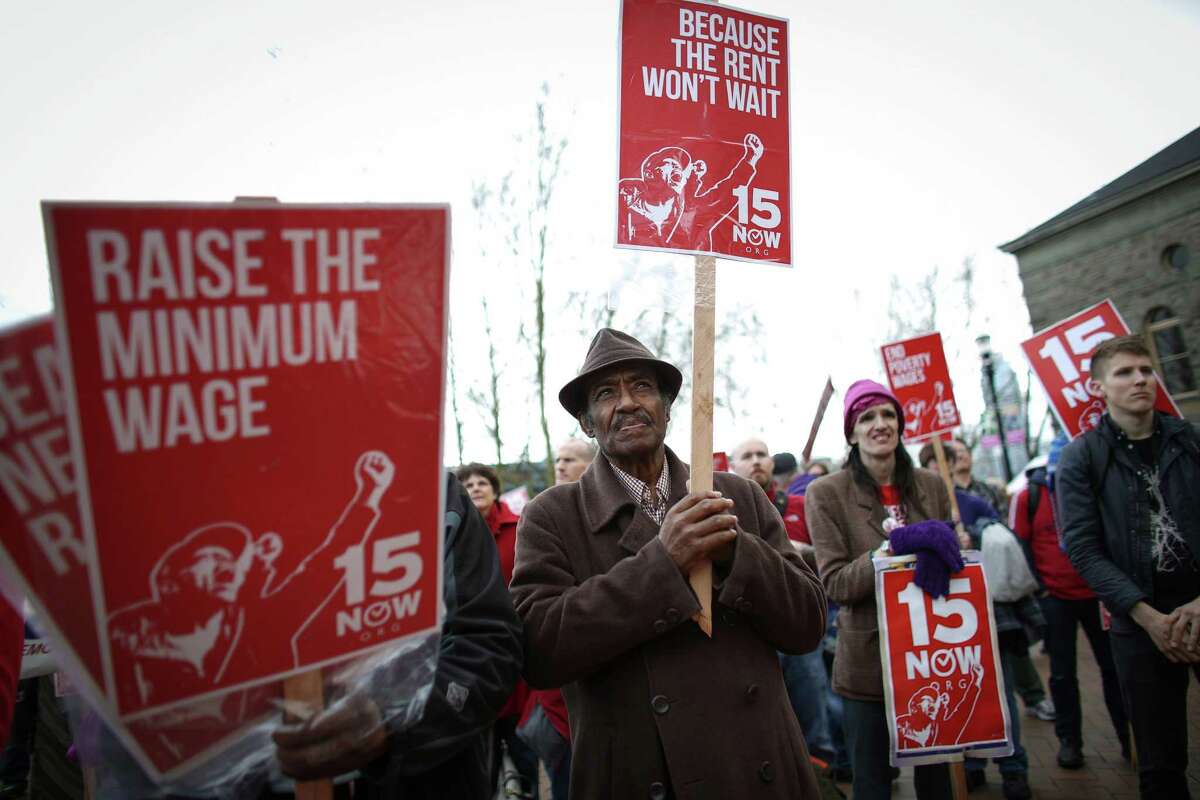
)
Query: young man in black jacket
[{"x": 1129, "y": 501}]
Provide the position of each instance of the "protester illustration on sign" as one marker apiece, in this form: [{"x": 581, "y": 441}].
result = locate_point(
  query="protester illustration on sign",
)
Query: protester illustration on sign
[
  {"x": 914, "y": 415},
  {"x": 930, "y": 717},
  {"x": 205, "y": 588},
  {"x": 670, "y": 203}
]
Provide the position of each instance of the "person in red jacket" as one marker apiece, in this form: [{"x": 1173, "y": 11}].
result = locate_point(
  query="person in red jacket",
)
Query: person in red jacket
[
  {"x": 1067, "y": 601},
  {"x": 12, "y": 647},
  {"x": 483, "y": 487}
]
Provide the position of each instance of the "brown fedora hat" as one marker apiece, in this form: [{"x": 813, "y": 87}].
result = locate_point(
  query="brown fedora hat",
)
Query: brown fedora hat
[{"x": 609, "y": 348}]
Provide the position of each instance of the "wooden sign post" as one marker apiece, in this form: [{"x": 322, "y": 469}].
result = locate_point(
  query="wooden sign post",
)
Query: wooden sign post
[
  {"x": 704, "y": 319},
  {"x": 304, "y": 697},
  {"x": 826, "y": 394}
]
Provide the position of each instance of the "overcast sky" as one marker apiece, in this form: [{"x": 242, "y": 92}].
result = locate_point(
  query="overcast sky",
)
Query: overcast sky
[{"x": 922, "y": 133}]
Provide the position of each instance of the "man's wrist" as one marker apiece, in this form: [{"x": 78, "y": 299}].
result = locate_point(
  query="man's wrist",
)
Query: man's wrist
[{"x": 1143, "y": 613}]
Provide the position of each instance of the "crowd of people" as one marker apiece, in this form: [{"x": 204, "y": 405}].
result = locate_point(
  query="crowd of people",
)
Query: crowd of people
[{"x": 593, "y": 664}]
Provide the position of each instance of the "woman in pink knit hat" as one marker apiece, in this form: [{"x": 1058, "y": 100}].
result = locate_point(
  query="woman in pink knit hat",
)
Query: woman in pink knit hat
[{"x": 851, "y": 514}]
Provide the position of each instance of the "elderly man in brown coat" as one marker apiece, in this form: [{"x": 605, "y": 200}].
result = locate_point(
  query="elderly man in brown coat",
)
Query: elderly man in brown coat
[{"x": 657, "y": 708}]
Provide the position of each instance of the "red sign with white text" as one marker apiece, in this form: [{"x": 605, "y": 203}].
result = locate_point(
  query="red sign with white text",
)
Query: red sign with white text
[
  {"x": 43, "y": 556},
  {"x": 918, "y": 374},
  {"x": 255, "y": 394},
  {"x": 41, "y": 543},
  {"x": 1061, "y": 358},
  {"x": 704, "y": 138},
  {"x": 943, "y": 683}
]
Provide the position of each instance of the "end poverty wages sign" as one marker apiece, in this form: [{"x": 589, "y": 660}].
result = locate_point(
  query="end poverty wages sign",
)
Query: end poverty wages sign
[
  {"x": 943, "y": 683},
  {"x": 918, "y": 374},
  {"x": 43, "y": 555},
  {"x": 704, "y": 139},
  {"x": 1061, "y": 358},
  {"x": 255, "y": 395}
]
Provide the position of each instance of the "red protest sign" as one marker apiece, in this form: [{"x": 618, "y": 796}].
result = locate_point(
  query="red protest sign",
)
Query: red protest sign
[
  {"x": 44, "y": 558},
  {"x": 42, "y": 550},
  {"x": 704, "y": 139},
  {"x": 255, "y": 394},
  {"x": 1061, "y": 359},
  {"x": 918, "y": 374},
  {"x": 721, "y": 462},
  {"x": 943, "y": 683}
]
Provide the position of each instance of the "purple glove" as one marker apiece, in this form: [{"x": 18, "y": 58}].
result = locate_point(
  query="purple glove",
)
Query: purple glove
[{"x": 936, "y": 547}]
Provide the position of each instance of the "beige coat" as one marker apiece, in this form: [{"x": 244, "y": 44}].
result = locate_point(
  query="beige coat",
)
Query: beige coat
[
  {"x": 656, "y": 708},
  {"x": 846, "y": 524}
]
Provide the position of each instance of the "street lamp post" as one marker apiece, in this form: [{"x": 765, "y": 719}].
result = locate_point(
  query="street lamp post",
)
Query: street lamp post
[{"x": 989, "y": 373}]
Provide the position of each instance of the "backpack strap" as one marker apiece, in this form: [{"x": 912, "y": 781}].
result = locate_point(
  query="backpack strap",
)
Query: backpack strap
[{"x": 1031, "y": 502}]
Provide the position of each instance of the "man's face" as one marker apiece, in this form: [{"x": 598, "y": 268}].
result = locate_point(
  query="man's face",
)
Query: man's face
[
  {"x": 877, "y": 430},
  {"x": 571, "y": 461},
  {"x": 481, "y": 492},
  {"x": 960, "y": 457},
  {"x": 626, "y": 412},
  {"x": 752, "y": 460},
  {"x": 1129, "y": 383},
  {"x": 673, "y": 173},
  {"x": 216, "y": 572}
]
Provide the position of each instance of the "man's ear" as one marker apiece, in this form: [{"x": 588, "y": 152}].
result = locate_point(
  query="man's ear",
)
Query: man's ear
[
  {"x": 1095, "y": 388},
  {"x": 586, "y": 425}
]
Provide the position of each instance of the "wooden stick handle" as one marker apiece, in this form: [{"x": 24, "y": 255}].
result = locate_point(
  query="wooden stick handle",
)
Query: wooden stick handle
[
  {"x": 958, "y": 780},
  {"x": 306, "y": 691},
  {"x": 944, "y": 470},
  {"x": 703, "y": 335}
]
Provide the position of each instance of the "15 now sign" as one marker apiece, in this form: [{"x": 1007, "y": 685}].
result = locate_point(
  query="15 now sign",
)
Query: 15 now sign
[
  {"x": 1061, "y": 358},
  {"x": 943, "y": 683}
]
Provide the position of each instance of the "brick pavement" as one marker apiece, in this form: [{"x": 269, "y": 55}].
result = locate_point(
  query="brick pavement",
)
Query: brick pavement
[{"x": 1105, "y": 776}]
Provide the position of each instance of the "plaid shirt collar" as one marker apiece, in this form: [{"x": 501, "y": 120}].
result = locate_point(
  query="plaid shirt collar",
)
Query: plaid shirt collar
[{"x": 653, "y": 502}]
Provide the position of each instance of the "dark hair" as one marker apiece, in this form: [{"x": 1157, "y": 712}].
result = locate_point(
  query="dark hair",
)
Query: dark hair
[
  {"x": 475, "y": 468},
  {"x": 927, "y": 454},
  {"x": 904, "y": 478},
  {"x": 1130, "y": 345}
]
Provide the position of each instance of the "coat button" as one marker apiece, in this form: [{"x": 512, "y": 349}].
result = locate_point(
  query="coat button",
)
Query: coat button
[
  {"x": 752, "y": 693},
  {"x": 673, "y": 616},
  {"x": 660, "y": 626},
  {"x": 660, "y": 704},
  {"x": 766, "y": 772},
  {"x": 743, "y": 605},
  {"x": 728, "y": 617},
  {"x": 657, "y": 791}
]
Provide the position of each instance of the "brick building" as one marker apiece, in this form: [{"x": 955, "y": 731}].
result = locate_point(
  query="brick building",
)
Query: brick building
[{"x": 1135, "y": 241}]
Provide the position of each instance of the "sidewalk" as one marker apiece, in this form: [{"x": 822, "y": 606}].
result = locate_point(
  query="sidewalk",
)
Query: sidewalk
[{"x": 1105, "y": 776}]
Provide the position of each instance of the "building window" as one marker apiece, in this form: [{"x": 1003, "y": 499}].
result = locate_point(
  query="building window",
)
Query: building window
[
  {"x": 1165, "y": 333},
  {"x": 1176, "y": 257}
]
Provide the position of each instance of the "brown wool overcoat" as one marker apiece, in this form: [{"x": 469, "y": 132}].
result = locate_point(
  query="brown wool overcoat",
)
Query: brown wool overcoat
[
  {"x": 846, "y": 524},
  {"x": 657, "y": 709}
]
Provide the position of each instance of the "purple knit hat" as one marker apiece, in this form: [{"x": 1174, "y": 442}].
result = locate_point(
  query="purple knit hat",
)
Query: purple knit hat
[{"x": 862, "y": 395}]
